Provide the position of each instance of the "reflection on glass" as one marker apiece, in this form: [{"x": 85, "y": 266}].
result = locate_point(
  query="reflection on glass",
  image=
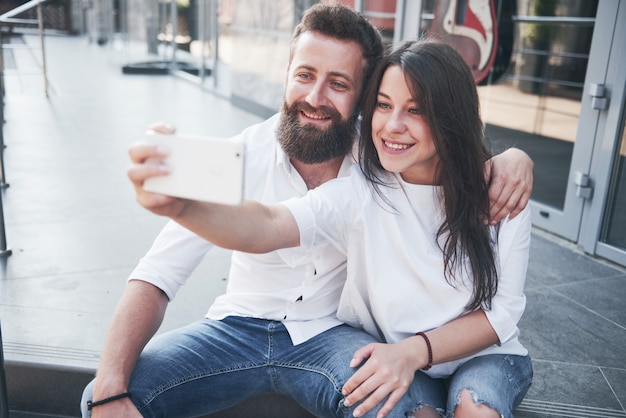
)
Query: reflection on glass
[
  {"x": 536, "y": 104},
  {"x": 614, "y": 231},
  {"x": 531, "y": 98},
  {"x": 381, "y": 13}
]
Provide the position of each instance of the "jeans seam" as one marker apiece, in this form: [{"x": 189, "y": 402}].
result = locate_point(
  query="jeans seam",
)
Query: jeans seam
[
  {"x": 178, "y": 382},
  {"x": 345, "y": 411},
  {"x": 319, "y": 371},
  {"x": 270, "y": 353}
]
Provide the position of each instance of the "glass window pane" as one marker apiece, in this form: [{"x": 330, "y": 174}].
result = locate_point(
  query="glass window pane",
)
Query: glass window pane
[
  {"x": 531, "y": 98},
  {"x": 614, "y": 231}
]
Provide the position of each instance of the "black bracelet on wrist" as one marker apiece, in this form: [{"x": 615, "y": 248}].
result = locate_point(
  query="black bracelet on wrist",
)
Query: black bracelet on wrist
[
  {"x": 430, "y": 350},
  {"x": 91, "y": 405}
]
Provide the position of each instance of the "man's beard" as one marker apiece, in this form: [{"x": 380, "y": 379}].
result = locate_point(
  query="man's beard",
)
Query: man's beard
[{"x": 310, "y": 144}]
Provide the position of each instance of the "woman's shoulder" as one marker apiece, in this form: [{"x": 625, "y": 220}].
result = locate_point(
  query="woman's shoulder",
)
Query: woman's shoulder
[
  {"x": 346, "y": 195},
  {"x": 359, "y": 187}
]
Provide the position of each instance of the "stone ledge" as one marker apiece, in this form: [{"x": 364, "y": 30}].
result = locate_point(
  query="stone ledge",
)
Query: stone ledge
[{"x": 56, "y": 391}]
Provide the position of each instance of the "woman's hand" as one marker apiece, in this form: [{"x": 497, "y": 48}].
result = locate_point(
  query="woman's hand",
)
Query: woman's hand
[{"x": 388, "y": 370}]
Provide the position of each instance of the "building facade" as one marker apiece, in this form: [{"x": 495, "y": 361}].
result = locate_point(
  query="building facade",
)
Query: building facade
[{"x": 555, "y": 88}]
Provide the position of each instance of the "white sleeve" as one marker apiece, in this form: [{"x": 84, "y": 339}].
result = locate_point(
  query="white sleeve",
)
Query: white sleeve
[
  {"x": 513, "y": 250},
  {"x": 323, "y": 214},
  {"x": 305, "y": 218},
  {"x": 174, "y": 255},
  {"x": 176, "y": 252}
]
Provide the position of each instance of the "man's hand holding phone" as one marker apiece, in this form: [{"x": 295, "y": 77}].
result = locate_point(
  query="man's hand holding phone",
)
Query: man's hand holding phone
[
  {"x": 147, "y": 160},
  {"x": 167, "y": 169}
]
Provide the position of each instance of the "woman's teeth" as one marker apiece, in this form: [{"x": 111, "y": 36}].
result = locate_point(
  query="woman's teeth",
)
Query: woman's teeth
[{"x": 396, "y": 146}]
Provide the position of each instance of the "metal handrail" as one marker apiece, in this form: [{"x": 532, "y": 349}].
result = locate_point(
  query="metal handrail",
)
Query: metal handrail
[
  {"x": 9, "y": 17},
  {"x": 4, "y": 400},
  {"x": 20, "y": 9}
]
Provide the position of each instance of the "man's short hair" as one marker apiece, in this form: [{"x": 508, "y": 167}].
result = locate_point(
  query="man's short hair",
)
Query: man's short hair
[{"x": 335, "y": 20}]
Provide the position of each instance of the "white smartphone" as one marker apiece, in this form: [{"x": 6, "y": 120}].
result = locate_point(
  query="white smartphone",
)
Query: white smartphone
[{"x": 202, "y": 168}]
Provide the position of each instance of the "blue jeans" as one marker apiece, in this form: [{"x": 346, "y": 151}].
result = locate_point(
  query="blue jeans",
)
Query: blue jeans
[
  {"x": 212, "y": 365},
  {"x": 499, "y": 381}
]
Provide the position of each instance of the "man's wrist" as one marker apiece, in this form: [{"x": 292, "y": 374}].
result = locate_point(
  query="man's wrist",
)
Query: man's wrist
[
  {"x": 93, "y": 404},
  {"x": 105, "y": 387}
]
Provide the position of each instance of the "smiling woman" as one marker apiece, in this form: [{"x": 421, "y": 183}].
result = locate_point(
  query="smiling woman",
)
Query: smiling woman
[
  {"x": 401, "y": 135},
  {"x": 458, "y": 281}
]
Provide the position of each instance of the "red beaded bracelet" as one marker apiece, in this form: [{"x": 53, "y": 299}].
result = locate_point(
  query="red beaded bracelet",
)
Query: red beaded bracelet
[{"x": 430, "y": 351}]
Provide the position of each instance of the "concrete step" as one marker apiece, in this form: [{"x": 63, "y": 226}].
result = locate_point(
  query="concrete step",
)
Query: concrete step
[
  {"x": 45, "y": 390},
  {"x": 52, "y": 391}
]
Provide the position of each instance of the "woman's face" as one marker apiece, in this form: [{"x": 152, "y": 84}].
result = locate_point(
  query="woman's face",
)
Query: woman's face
[{"x": 401, "y": 135}]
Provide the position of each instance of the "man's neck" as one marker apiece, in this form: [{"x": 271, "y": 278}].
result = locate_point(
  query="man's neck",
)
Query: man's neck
[{"x": 316, "y": 174}]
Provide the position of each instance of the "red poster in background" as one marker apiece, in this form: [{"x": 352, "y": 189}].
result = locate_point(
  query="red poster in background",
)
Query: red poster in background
[
  {"x": 375, "y": 6},
  {"x": 470, "y": 27}
]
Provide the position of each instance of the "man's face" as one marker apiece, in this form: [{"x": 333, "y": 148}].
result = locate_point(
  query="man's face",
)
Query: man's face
[{"x": 324, "y": 80}]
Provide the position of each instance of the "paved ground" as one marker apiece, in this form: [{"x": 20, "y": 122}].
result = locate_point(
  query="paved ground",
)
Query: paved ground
[{"x": 76, "y": 232}]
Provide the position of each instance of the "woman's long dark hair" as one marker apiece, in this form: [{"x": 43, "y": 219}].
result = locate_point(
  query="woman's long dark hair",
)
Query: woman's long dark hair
[{"x": 444, "y": 90}]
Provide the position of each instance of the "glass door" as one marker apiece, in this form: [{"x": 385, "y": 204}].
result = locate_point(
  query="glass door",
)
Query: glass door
[
  {"x": 614, "y": 232},
  {"x": 563, "y": 191},
  {"x": 612, "y": 244},
  {"x": 603, "y": 226},
  {"x": 538, "y": 103}
]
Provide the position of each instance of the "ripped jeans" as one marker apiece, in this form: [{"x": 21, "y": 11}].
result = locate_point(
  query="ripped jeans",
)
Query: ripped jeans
[{"x": 499, "y": 381}]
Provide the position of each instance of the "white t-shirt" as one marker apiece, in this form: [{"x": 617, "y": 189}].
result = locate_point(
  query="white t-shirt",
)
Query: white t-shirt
[
  {"x": 301, "y": 291},
  {"x": 395, "y": 285}
]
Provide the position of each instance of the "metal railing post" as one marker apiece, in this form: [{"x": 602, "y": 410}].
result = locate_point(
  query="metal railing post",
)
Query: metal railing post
[
  {"x": 1, "y": 64},
  {"x": 4, "y": 398},
  {"x": 43, "y": 50},
  {"x": 215, "y": 33},
  {"x": 4, "y": 251},
  {"x": 174, "y": 23},
  {"x": 3, "y": 182}
]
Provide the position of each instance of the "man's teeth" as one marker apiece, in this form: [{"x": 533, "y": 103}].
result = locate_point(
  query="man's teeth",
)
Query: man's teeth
[
  {"x": 397, "y": 146},
  {"x": 314, "y": 116}
]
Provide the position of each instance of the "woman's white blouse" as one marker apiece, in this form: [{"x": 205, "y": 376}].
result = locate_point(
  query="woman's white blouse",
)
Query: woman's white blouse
[{"x": 395, "y": 285}]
